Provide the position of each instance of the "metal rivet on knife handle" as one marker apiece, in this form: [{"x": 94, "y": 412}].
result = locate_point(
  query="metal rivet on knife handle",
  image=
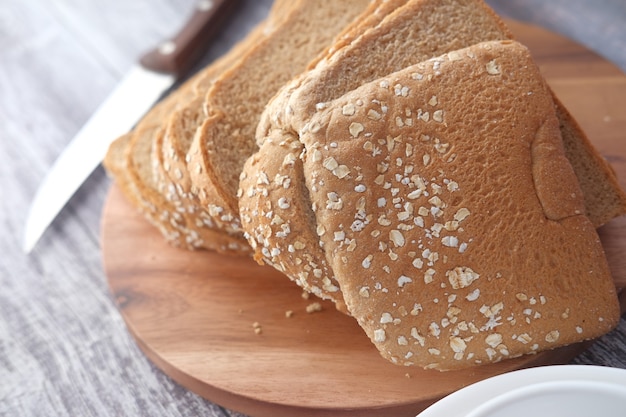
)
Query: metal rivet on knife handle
[{"x": 177, "y": 55}]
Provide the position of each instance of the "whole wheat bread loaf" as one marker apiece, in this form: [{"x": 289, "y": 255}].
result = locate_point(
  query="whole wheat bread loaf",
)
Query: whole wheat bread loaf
[
  {"x": 414, "y": 31},
  {"x": 169, "y": 130},
  {"x": 445, "y": 209}
]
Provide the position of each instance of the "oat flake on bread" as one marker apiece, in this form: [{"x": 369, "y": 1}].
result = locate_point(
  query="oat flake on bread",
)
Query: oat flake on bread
[{"x": 442, "y": 201}]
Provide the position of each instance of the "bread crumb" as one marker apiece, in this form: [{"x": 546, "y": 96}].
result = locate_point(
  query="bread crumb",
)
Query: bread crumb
[
  {"x": 289, "y": 314},
  {"x": 257, "y": 327},
  {"x": 313, "y": 307},
  {"x": 305, "y": 295}
]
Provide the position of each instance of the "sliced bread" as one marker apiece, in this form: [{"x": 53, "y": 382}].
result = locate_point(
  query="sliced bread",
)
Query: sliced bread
[
  {"x": 170, "y": 147},
  {"x": 406, "y": 30},
  {"x": 446, "y": 210},
  {"x": 180, "y": 127},
  {"x": 236, "y": 99},
  {"x": 132, "y": 171},
  {"x": 136, "y": 162},
  {"x": 604, "y": 197},
  {"x": 414, "y": 31}
]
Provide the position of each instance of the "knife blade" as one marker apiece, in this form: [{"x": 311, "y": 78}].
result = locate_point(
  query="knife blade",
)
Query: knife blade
[{"x": 140, "y": 88}]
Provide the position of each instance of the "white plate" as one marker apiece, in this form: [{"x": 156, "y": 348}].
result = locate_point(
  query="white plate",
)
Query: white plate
[{"x": 566, "y": 390}]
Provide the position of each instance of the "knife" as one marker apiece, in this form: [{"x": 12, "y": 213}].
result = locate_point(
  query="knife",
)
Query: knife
[{"x": 141, "y": 87}]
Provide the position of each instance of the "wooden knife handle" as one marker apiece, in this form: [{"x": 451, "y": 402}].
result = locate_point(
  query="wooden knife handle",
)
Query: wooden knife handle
[{"x": 177, "y": 55}]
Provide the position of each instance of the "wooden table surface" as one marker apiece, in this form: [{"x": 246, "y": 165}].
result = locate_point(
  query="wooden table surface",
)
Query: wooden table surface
[{"x": 64, "y": 348}]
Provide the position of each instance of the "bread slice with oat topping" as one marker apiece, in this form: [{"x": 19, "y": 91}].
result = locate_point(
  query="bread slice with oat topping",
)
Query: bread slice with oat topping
[
  {"x": 130, "y": 163},
  {"x": 169, "y": 165},
  {"x": 137, "y": 164},
  {"x": 446, "y": 210},
  {"x": 132, "y": 171},
  {"x": 158, "y": 211},
  {"x": 171, "y": 147},
  {"x": 236, "y": 99},
  {"x": 152, "y": 172},
  {"x": 407, "y": 32}
]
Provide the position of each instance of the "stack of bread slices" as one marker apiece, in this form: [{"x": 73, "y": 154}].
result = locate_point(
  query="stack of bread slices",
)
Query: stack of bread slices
[{"x": 402, "y": 158}]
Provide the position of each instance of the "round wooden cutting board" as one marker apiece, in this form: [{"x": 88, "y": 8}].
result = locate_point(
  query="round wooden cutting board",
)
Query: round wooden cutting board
[{"x": 195, "y": 314}]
